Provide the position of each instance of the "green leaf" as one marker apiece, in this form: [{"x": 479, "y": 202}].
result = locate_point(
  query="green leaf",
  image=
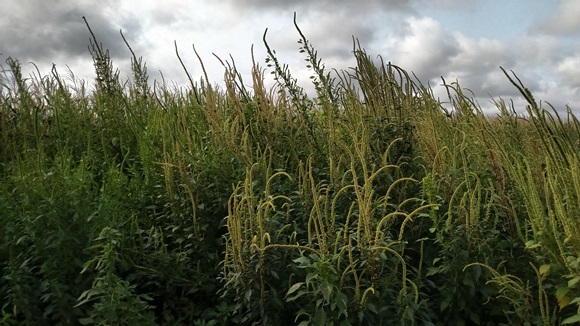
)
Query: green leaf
[
  {"x": 572, "y": 283},
  {"x": 467, "y": 280},
  {"x": 372, "y": 308},
  {"x": 576, "y": 300},
  {"x": 341, "y": 302},
  {"x": 294, "y": 287},
  {"x": 561, "y": 292},
  {"x": 327, "y": 291},
  {"x": 433, "y": 271},
  {"x": 445, "y": 303},
  {"x": 571, "y": 320},
  {"x": 475, "y": 318},
  {"x": 311, "y": 276},
  {"x": 545, "y": 269},
  {"x": 320, "y": 317},
  {"x": 86, "y": 321},
  {"x": 296, "y": 296},
  {"x": 302, "y": 260},
  {"x": 532, "y": 244},
  {"x": 301, "y": 313},
  {"x": 563, "y": 300}
]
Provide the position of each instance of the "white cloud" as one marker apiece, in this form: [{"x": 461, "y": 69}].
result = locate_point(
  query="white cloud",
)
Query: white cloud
[
  {"x": 565, "y": 20},
  {"x": 450, "y": 4},
  {"x": 322, "y": 5},
  {"x": 425, "y": 48},
  {"x": 538, "y": 49},
  {"x": 569, "y": 68},
  {"x": 476, "y": 66}
]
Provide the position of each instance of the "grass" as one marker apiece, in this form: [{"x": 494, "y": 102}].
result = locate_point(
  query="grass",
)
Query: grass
[{"x": 366, "y": 203}]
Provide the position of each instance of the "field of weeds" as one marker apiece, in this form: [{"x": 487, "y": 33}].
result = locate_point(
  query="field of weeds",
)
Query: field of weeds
[{"x": 366, "y": 203}]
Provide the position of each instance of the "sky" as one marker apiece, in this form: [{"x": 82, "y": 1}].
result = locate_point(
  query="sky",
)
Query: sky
[{"x": 464, "y": 41}]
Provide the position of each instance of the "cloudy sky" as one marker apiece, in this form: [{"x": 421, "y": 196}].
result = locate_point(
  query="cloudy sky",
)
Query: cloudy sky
[{"x": 457, "y": 39}]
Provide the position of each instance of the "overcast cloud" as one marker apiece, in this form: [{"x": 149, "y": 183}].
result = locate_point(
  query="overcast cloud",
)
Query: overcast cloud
[
  {"x": 564, "y": 21},
  {"x": 35, "y": 30},
  {"x": 458, "y": 40}
]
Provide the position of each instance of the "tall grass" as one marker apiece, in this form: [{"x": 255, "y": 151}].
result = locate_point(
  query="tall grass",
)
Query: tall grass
[{"x": 364, "y": 203}]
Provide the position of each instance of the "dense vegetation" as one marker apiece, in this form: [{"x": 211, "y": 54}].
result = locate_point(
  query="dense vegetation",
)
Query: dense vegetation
[{"x": 367, "y": 203}]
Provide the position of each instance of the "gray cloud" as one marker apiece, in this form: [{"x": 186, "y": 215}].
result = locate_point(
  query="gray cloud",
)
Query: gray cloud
[
  {"x": 37, "y": 31},
  {"x": 564, "y": 21},
  {"x": 478, "y": 62},
  {"x": 429, "y": 50},
  {"x": 326, "y": 5},
  {"x": 424, "y": 47},
  {"x": 569, "y": 68},
  {"x": 332, "y": 34}
]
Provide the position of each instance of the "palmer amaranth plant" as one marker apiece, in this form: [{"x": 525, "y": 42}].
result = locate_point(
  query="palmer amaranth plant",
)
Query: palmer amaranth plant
[{"x": 366, "y": 203}]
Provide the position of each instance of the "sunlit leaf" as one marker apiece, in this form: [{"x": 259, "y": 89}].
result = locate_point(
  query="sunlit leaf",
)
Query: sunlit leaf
[
  {"x": 572, "y": 283},
  {"x": 561, "y": 295},
  {"x": 571, "y": 320},
  {"x": 294, "y": 287},
  {"x": 544, "y": 270}
]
